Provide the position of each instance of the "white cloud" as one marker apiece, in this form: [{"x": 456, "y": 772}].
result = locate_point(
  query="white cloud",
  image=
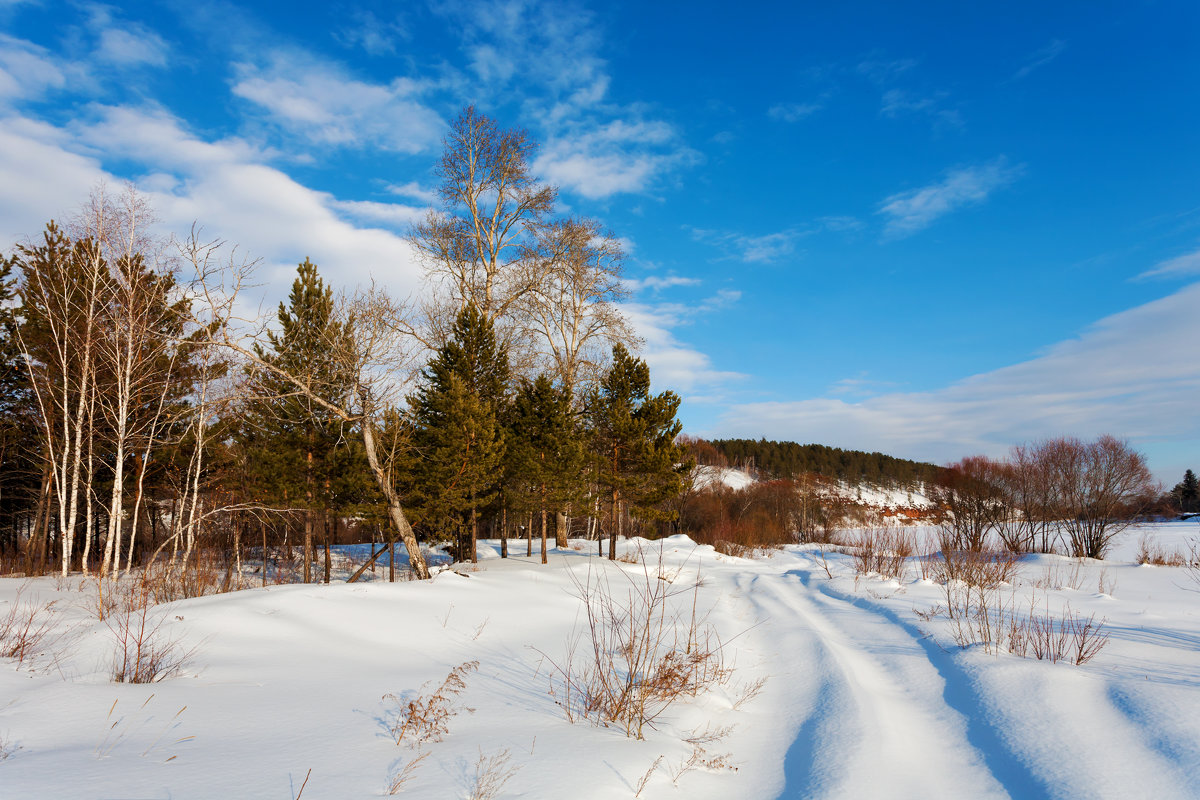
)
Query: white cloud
[
  {"x": 612, "y": 158},
  {"x": 1124, "y": 375},
  {"x": 1040, "y": 58},
  {"x": 792, "y": 112},
  {"x": 131, "y": 45},
  {"x": 318, "y": 101},
  {"x": 657, "y": 283},
  {"x": 1186, "y": 264},
  {"x": 26, "y": 70},
  {"x": 764, "y": 248},
  {"x": 413, "y": 191},
  {"x": 911, "y": 211},
  {"x": 674, "y": 364},
  {"x": 47, "y": 171}
]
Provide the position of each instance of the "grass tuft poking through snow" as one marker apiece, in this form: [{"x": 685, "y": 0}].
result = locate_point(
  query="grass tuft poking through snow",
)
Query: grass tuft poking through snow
[{"x": 426, "y": 717}]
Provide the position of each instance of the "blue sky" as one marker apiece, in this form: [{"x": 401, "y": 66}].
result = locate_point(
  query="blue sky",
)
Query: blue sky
[{"x": 931, "y": 229}]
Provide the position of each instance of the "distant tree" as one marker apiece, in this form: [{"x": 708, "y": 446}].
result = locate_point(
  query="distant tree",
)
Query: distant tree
[
  {"x": 1188, "y": 492},
  {"x": 970, "y": 494},
  {"x": 639, "y": 464},
  {"x": 458, "y": 437},
  {"x": 1102, "y": 487}
]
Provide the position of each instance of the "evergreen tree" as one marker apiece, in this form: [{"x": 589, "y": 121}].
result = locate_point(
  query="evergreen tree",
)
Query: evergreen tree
[
  {"x": 458, "y": 438},
  {"x": 1189, "y": 493},
  {"x": 300, "y": 456},
  {"x": 639, "y": 464},
  {"x": 545, "y": 454}
]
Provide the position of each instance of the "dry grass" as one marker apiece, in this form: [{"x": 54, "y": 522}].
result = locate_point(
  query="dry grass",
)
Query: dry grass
[
  {"x": 143, "y": 653},
  {"x": 401, "y": 775},
  {"x": 426, "y": 716},
  {"x": 642, "y": 652},
  {"x": 24, "y": 628},
  {"x": 491, "y": 774},
  {"x": 881, "y": 551},
  {"x": 1151, "y": 552},
  {"x": 8, "y": 748}
]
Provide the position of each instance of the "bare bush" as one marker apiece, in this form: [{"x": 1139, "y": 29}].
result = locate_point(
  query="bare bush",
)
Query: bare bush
[
  {"x": 988, "y": 619},
  {"x": 426, "y": 716},
  {"x": 646, "y": 776},
  {"x": 24, "y": 628},
  {"x": 882, "y": 551},
  {"x": 144, "y": 653},
  {"x": 491, "y": 774},
  {"x": 642, "y": 654}
]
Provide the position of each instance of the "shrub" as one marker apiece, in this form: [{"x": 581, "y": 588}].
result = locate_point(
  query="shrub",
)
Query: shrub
[
  {"x": 426, "y": 716},
  {"x": 641, "y": 654},
  {"x": 882, "y": 551},
  {"x": 144, "y": 654}
]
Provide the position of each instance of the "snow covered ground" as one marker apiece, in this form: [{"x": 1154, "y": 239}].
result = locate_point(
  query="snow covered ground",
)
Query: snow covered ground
[{"x": 864, "y": 695}]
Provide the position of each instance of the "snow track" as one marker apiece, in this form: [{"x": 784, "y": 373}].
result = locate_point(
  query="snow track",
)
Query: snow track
[
  {"x": 878, "y": 723},
  {"x": 884, "y": 710}
]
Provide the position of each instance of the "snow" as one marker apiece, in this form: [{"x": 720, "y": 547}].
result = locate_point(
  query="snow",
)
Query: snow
[
  {"x": 863, "y": 696},
  {"x": 706, "y": 477}
]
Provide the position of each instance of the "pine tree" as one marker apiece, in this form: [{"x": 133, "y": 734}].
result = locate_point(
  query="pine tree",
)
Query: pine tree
[
  {"x": 545, "y": 456},
  {"x": 300, "y": 458},
  {"x": 1189, "y": 493},
  {"x": 458, "y": 437},
  {"x": 639, "y": 465}
]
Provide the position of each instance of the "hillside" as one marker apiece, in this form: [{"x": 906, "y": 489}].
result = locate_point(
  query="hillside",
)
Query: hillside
[{"x": 789, "y": 460}]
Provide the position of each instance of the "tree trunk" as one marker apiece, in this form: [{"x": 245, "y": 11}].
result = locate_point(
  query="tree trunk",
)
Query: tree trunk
[
  {"x": 504, "y": 530},
  {"x": 415, "y": 559},
  {"x": 529, "y": 537},
  {"x": 544, "y": 531},
  {"x": 560, "y": 530}
]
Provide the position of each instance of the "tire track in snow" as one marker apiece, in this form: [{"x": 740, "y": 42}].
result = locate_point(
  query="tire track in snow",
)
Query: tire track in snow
[{"x": 881, "y": 718}]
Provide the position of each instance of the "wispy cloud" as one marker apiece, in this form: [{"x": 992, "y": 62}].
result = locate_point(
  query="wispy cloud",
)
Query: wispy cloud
[
  {"x": 616, "y": 157},
  {"x": 768, "y": 248},
  {"x": 792, "y": 112},
  {"x": 1040, "y": 58},
  {"x": 376, "y": 36},
  {"x": 1186, "y": 264},
  {"x": 319, "y": 101},
  {"x": 674, "y": 363},
  {"x": 896, "y": 102},
  {"x": 414, "y": 191},
  {"x": 1123, "y": 375},
  {"x": 916, "y": 209},
  {"x": 26, "y": 70},
  {"x": 656, "y": 283}
]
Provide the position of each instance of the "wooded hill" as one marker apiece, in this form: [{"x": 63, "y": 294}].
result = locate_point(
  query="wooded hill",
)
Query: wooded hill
[{"x": 772, "y": 459}]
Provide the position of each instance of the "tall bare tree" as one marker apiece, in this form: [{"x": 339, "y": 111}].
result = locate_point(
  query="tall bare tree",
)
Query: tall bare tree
[
  {"x": 572, "y": 307},
  {"x": 480, "y": 246}
]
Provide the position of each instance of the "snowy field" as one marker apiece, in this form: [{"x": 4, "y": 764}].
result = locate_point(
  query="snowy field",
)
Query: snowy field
[{"x": 866, "y": 693}]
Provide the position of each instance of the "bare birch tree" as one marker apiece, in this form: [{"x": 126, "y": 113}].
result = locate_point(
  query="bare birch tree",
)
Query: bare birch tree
[{"x": 480, "y": 246}]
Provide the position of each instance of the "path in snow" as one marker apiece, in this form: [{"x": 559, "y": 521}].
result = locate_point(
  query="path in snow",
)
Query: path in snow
[{"x": 882, "y": 719}]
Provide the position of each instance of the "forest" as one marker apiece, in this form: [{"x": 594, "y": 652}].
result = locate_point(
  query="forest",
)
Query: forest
[{"x": 145, "y": 418}]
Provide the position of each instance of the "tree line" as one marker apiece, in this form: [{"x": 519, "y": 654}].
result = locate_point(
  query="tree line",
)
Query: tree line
[
  {"x": 143, "y": 417},
  {"x": 789, "y": 460}
]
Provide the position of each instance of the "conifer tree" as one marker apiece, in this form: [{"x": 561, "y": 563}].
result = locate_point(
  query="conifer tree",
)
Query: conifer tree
[
  {"x": 458, "y": 437},
  {"x": 639, "y": 465},
  {"x": 545, "y": 455},
  {"x": 1189, "y": 492},
  {"x": 300, "y": 458}
]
